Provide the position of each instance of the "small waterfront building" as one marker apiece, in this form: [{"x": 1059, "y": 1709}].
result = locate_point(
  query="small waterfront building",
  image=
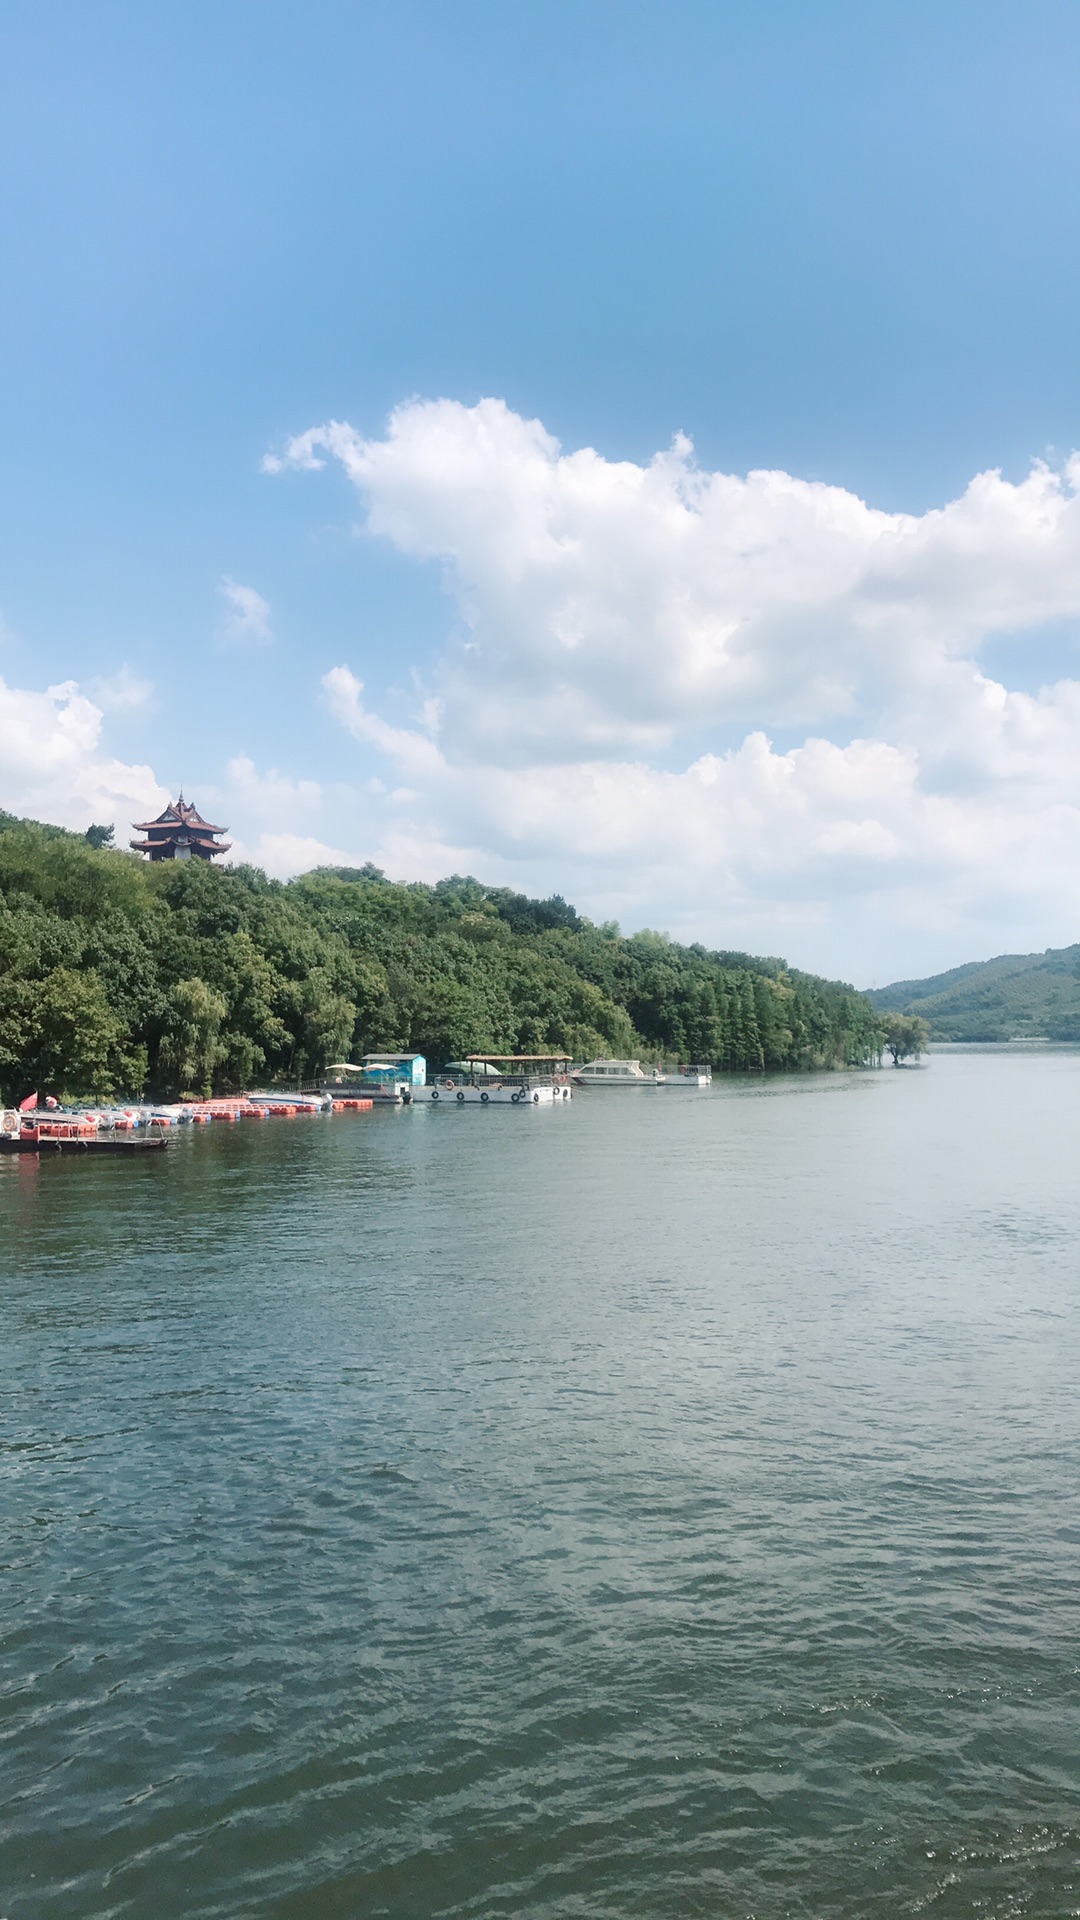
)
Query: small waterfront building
[
  {"x": 180, "y": 833},
  {"x": 385, "y": 1076},
  {"x": 408, "y": 1066}
]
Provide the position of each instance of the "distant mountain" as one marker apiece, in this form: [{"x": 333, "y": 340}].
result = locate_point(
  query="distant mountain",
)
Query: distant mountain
[{"x": 1018, "y": 996}]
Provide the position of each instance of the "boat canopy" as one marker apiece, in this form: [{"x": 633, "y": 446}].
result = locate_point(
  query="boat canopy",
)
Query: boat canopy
[{"x": 519, "y": 1059}]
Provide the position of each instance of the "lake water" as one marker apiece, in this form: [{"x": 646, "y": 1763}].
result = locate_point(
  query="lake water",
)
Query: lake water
[{"x": 666, "y": 1505}]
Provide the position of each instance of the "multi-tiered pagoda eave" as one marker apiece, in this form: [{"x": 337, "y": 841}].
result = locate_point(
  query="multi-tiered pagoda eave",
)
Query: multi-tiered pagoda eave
[{"x": 180, "y": 833}]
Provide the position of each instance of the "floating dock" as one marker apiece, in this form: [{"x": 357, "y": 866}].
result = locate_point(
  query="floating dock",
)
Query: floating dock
[{"x": 29, "y": 1140}]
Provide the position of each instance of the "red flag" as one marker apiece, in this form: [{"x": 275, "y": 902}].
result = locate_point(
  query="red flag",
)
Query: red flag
[{"x": 28, "y": 1105}]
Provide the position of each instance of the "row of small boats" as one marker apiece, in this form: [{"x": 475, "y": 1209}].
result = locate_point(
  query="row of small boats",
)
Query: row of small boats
[
  {"x": 53, "y": 1129},
  {"x": 534, "y": 1080}
]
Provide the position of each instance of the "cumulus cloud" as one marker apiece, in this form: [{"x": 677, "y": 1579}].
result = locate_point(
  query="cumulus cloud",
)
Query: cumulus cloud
[
  {"x": 272, "y": 810},
  {"x": 608, "y": 611},
  {"x": 53, "y": 765},
  {"x": 247, "y": 618},
  {"x": 282, "y": 855},
  {"x": 836, "y": 852},
  {"x": 609, "y": 606}
]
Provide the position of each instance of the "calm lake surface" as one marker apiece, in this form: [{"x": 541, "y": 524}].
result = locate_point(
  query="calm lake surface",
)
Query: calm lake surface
[{"x": 666, "y": 1505}]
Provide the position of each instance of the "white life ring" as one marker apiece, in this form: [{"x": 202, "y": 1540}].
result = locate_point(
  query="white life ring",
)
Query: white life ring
[{"x": 11, "y": 1123}]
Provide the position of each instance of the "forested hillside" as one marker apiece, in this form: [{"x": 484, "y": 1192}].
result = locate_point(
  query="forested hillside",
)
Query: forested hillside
[
  {"x": 1015, "y": 997},
  {"x": 117, "y": 975}
]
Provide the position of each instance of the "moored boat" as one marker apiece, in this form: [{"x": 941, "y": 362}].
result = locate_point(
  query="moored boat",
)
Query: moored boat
[
  {"x": 386, "y": 1078},
  {"x": 59, "y": 1132},
  {"x": 501, "y": 1080},
  {"x": 693, "y": 1076},
  {"x": 617, "y": 1073}
]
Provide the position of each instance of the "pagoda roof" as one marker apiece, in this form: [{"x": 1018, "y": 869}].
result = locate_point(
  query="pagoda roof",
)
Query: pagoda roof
[{"x": 179, "y": 813}]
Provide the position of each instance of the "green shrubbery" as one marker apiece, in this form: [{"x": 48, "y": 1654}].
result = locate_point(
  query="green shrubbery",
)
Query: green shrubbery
[{"x": 116, "y": 975}]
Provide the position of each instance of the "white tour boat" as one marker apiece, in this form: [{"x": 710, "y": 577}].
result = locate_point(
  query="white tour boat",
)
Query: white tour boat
[
  {"x": 500, "y": 1080},
  {"x": 617, "y": 1073}
]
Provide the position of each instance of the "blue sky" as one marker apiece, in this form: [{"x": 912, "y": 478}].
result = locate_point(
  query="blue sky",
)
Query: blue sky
[{"x": 835, "y": 240}]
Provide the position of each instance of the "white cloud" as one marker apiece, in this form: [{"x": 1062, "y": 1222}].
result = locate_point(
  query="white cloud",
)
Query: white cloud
[
  {"x": 415, "y": 753},
  {"x": 271, "y": 810},
  {"x": 608, "y": 612},
  {"x": 53, "y": 766},
  {"x": 273, "y": 792},
  {"x": 282, "y": 855},
  {"x": 122, "y": 692},
  {"x": 610, "y": 606},
  {"x": 833, "y": 853},
  {"x": 612, "y": 622},
  {"x": 248, "y": 615}
]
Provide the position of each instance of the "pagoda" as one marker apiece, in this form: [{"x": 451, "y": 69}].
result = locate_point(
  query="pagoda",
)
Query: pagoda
[{"x": 180, "y": 833}]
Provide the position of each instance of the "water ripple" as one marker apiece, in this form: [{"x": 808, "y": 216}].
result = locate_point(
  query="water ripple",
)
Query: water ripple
[{"x": 636, "y": 1510}]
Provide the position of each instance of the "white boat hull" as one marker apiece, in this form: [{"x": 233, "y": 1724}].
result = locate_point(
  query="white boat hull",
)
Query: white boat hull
[
  {"x": 613, "y": 1082},
  {"x": 616, "y": 1073},
  {"x": 490, "y": 1096}
]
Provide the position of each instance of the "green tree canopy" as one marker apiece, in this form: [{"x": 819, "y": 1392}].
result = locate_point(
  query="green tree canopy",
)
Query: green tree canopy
[
  {"x": 190, "y": 977},
  {"x": 906, "y": 1034}
]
